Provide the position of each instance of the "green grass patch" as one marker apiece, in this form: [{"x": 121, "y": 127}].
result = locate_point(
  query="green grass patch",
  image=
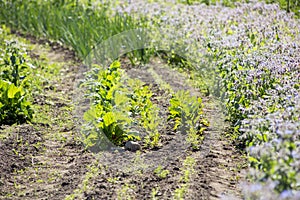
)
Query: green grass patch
[{"x": 74, "y": 23}]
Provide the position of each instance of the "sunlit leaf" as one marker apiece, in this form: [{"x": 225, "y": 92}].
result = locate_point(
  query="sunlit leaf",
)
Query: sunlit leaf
[{"x": 12, "y": 91}]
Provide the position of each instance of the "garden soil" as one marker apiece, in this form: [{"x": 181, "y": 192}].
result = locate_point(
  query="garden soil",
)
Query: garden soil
[{"x": 48, "y": 160}]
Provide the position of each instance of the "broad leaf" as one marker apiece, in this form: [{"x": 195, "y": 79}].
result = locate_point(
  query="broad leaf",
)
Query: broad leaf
[
  {"x": 108, "y": 119},
  {"x": 12, "y": 91}
]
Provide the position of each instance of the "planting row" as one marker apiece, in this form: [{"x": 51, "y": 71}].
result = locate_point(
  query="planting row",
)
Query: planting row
[
  {"x": 122, "y": 110},
  {"x": 15, "y": 78},
  {"x": 81, "y": 25}
]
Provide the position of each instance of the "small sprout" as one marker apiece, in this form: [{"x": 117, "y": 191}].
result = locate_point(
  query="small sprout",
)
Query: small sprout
[{"x": 159, "y": 172}]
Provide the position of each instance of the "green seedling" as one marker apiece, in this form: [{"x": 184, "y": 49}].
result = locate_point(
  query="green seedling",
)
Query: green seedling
[
  {"x": 161, "y": 173},
  {"x": 14, "y": 85}
]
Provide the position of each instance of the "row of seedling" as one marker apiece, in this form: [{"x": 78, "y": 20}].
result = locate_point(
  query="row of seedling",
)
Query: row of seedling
[
  {"x": 119, "y": 105},
  {"x": 15, "y": 77},
  {"x": 186, "y": 112}
]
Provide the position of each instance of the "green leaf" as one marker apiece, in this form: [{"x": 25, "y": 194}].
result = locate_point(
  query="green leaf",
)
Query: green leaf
[
  {"x": 90, "y": 115},
  {"x": 3, "y": 84},
  {"x": 115, "y": 65},
  {"x": 109, "y": 119},
  {"x": 12, "y": 91},
  {"x": 253, "y": 160},
  {"x": 120, "y": 98},
  {"x": 109, "y": 77},
  {"x": 111, "y": 92},
  {"x": 260, "y": 137},
  {"x": 265, "y": 137}
]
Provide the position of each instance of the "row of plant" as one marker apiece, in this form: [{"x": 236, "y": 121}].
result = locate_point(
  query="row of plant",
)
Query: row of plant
[
  {"x": 15, "y": 77},
  {"x": 186, "y": 112},
  {"x": 146, "y": 111},
  {"x": 262, "y": 95},
  {"x": 288, "y": 5},
  {"x": 81, "y": 25},
  {"x": 93, "y": 170},
  {"x": 187, "y": 171},
  {"x": 250, "y": 54},
  {"x": 258, "y": 67},
  {"x": 120, "y": 107}
]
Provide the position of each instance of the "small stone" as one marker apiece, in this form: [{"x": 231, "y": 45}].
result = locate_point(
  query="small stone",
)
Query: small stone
[{"x": 132, "y": 146}]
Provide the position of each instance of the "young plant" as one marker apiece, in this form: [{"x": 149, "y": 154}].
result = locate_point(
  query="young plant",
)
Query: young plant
[
  {"x": 187, "y": 172},
  {"x": 187, "y": 113},
  {"x": 109, "y": 114},
  {"x": 14, "y": 89},
  {"x": 160, "y": 172},
  {"x": 146, "y": 112}
]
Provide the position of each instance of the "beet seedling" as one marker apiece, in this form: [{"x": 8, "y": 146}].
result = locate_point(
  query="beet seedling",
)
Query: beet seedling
[{"x": 14, "y": 74}]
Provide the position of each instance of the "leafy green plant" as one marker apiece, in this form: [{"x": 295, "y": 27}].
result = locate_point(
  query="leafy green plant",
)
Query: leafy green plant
[
  {"x": 140, "y": 99},
  {"x": 146, "y": 111},
  {"x": 118, "y": 102},
  {"x": 110, "y": 111},
  {"x": 185, "y": 109},
  {"x": 194, "y": 139},
  {"x": 160, "y": 172},
  {"x": 14, "y": 74},
  {"x": 187, "y": 113},
  {"x": 152, "y": 140},
  {"x": 187, "y": 170}
]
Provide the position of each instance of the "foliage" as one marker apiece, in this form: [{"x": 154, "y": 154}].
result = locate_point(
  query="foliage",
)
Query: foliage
[
  {"x": 152, "y": 140},
  {"x": 118, "y": 104},
  {"x": 109, "y": 112},
  {"x": 251, "y": 55},
  {"x": 187, "y": 172},
  {"x": 15, "y": 75},
  {"x": 146, "y": 112},
  {"x": 187, "y": 113},
  {"x": 160, "y": 172},
  {"x": 140, "y": 102},
  {"x": 74, "y": 23}
]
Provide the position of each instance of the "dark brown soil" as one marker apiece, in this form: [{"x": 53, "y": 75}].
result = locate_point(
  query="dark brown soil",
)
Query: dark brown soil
[
  {"x": 48, "y": 161},
  {"x": 17, "y": 150}
]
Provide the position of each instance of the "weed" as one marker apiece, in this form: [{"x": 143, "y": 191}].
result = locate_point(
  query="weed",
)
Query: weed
[{"x": 160, "y": 172}]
